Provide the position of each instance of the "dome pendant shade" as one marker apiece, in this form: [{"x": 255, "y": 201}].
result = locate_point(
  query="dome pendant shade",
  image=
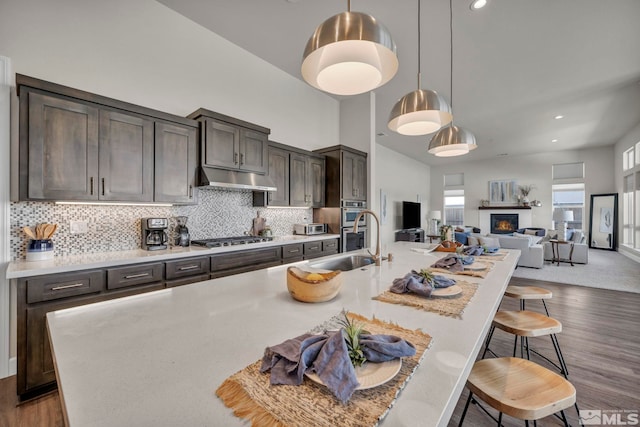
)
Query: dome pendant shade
[
  {"x": 348, "y": 54},
  {"x": 452, "y": 141},
  {"x": 419, "y": 113}
]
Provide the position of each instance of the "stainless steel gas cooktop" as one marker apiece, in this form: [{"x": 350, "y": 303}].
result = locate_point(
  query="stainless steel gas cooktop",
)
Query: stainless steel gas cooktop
[{"x": 230, "y": 241}]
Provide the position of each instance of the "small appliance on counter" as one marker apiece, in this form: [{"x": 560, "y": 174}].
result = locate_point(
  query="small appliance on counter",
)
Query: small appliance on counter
[
  {"x": 309, "y": 229},
  {"x": 182, "y": 232},
  {"x": 154, "y": 233}
]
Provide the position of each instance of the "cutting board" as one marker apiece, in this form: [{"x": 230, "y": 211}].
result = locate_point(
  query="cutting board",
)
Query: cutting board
[{"x": 258, "y": 225}]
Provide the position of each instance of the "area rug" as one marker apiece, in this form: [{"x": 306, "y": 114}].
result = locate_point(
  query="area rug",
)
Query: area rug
[{"x": 605, "y": 270}]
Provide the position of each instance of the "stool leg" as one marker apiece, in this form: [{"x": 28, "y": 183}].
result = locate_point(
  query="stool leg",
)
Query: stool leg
[
  {"x": 486, "y": 346},
  {"x": 515, "y": 345},
  {"x": 545, "y": 308},
  {"x": 564, "y": 419},
  {"x": 464, "y": 413},
  {"x": 522, "y": 304},
  {"x": 500, "y": 420},
  {"x": 556, "y": 345},
  {"x": 526, "y": 341}
]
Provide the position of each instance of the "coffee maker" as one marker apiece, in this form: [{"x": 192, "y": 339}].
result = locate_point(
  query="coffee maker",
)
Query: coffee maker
[
  {"x": 154, "y": 233},
  {"x": 182, "y": 232}
]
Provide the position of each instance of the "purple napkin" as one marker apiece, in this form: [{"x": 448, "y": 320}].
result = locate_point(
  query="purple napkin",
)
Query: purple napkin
[
  {"x": 328, "y": 357},
  {"x": 415, "y": 283},
  {"x": 450, "y": 262}
]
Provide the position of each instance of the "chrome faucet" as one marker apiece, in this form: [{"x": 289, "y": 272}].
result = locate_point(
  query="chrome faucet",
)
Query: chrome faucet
[{"x": 377, "y": 258}]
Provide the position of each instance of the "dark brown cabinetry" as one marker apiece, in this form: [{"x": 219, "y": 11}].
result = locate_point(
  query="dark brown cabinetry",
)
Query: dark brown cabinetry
[
  {"x": 292, "y": 253},
  {"x": 79, "y": 146},
  {"x": 346, "y": 170},
  {"x": 176, "y": 160},
  {"x": 186, "y": 271},
  {"x": 416, "y": 235},
  {"x": 299, "y": 176},
  {"x": 229, "y": 143},
  {"x": 243, "y": 261}
]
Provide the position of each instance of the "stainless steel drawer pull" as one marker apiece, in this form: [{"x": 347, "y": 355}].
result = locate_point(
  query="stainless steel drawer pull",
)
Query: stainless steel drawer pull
[
  {"x": 136, "y": 276},
  {"x": 189, "y": 267},
  {"x": 59, "y": 288},
  {"x": 294, "y": 251},
  {"x": 314, "y": 247}
]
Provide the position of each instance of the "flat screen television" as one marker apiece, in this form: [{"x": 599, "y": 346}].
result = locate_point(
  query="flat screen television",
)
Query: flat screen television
[{"x": 411, "y": 215}]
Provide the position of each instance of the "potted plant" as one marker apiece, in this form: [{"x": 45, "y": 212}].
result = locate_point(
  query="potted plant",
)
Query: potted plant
[{"x": 524, "y": 193}]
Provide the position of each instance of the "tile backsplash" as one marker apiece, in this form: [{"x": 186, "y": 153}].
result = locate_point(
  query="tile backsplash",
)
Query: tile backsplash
[{"x": 219, "y": 213}]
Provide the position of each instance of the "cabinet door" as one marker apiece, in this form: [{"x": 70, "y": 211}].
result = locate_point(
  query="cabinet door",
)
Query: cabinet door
[
  {"x": 62, "y": 149},
  {"x": 126, "y": 157},
  {"x": 176, "y": 151},
  {"x": 253, "y": 151},
  {"x": 354, "y": 176},
  {"x": 317, "y": 182},
  {"x": 221, "y": 145},
  {"x": 298, "y": 180},
  {"x": 279, "y": 173}
]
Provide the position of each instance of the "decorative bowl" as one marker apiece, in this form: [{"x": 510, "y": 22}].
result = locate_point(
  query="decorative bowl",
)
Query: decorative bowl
[
  {"x": 448, "y": 246},
  {"x": 309, "y": 286}
]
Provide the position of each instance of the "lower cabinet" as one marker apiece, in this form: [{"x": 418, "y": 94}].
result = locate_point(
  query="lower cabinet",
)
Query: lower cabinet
[{"x": 39, "y": 295}]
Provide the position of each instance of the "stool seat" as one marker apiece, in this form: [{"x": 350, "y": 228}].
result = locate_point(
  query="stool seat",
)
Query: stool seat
[
  {"x": 527, "y": 292},
  {"x": 520, "y": 388},
  {"x": 526, "y": 323}
]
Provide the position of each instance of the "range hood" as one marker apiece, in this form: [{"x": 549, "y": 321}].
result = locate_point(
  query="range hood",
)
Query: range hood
[{"x": 221, "y": 178}]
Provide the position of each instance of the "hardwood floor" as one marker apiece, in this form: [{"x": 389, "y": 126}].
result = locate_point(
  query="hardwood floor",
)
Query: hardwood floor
[{"x": 600, "y": 342}]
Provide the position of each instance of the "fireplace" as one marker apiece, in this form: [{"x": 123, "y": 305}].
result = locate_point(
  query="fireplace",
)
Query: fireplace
[{"x": 504, "y": 223}]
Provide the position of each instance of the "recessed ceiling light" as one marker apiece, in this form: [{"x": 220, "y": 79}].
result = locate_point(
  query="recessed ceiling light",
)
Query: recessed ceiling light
[
  {"x": 558, "y": 117},
  {"x": 554, "y": 140},
  {"x": 381, "y": 134},
  {"x": 477, "y": 4},
  {"x": 503, "y": 154}
]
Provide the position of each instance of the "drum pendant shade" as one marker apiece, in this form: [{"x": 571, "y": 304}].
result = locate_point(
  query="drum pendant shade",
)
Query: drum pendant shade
[{"x": 348, "y": 54}]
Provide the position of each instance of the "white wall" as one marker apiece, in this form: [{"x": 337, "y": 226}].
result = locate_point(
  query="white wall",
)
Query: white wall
[
  {"x": 628, "y": 141},
  {"x": 142, "y": 52},
  {"x": 401, "y": 178},
  {"x": 530, "y": 169}
]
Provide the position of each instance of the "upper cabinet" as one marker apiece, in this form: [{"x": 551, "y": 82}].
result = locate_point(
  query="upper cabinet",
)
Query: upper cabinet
[
  {"x": 77, "y": 146},
  {"x": 346, "y": 170},
  {"x": 230, "y": 143},
  {"x": 299, "y": 176}
]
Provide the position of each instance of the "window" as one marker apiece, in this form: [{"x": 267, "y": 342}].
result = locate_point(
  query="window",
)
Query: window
[
  {"x": 627, "y": 211},
  {"x": 628, "y": 159},
  {"x": 454, "y": 207},
  {"x": 568, "y": 198}
]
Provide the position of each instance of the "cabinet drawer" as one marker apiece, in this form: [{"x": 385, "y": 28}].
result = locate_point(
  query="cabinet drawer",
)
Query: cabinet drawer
[
  {"x": 123, "y": 277},
  {"x": 187, "y": 280},
  {"x": 56, "y": 286},
  {"x": 252, "y": 258},
  {"x": 292, "y": 251},
  {"x": 312, "y": 249},
  {"x": 330, "y": 245},
  {"x": 187, "y": 267}
]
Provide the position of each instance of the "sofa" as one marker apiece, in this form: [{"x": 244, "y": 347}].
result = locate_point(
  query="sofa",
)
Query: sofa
[
  {"x": 580, "y": 247},
  {"x": 531, "y": 252}
]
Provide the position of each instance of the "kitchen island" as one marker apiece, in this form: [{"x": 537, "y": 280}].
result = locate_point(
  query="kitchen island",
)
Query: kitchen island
[{"x": 156, "y": 359}]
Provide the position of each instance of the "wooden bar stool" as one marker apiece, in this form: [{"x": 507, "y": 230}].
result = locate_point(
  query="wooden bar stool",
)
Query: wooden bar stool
[
  {"x": 525, "y": 324},
  {"x": 524, "y": 293},
  {"x": 519, "y": 388}
]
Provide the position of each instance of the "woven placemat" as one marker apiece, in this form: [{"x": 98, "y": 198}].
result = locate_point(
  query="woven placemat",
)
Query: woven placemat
[
  {"x": 473, "y": 273},
  {"x": 500, "y": 256},
  {"x": 250, "y": 395},
  {"x": 446, "y": 306}
]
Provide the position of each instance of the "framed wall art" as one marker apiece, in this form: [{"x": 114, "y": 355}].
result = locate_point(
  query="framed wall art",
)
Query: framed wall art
[{"x": 503, "y": 192}]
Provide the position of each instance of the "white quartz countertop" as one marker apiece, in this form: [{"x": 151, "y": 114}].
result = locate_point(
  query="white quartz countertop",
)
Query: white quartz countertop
[
  {"x": 63, "y": 264},
  {"x": 156, "y": 359}
]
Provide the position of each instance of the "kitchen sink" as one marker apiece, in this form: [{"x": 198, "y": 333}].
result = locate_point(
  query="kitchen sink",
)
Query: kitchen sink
[{"x": 345, "y": 263}]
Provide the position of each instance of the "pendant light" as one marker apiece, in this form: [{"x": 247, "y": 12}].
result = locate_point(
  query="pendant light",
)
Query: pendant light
[
  {"x": 422, "y": 111},
  {"x": 452, "y": 140},
  {"x": 348, "y": 54}
]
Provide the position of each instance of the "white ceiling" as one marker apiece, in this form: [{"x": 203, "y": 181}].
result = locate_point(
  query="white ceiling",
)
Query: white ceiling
[{"x": 517, "y": 63}]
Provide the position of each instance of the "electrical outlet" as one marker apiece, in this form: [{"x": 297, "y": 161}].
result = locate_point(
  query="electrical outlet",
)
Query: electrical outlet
[{"x": 78, "y": 227}]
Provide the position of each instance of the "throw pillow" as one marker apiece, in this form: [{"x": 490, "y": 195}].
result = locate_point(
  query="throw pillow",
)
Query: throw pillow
[
  {"x": 472, "y": 241},
  {"x": 553, "y": 234},
  {"x": 490, "y": 242},
  {"x": 530, "y": 232},
  {"x": 523, "y": 236},
  {"x": 578, "y": 236}
]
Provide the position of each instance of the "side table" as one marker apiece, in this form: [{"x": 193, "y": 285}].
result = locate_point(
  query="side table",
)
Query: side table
[
  {"x": 555, "y": 249},
  {"x": 433, "y": 236}
]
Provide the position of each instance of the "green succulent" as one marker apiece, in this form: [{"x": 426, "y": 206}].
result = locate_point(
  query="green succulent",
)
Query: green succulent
[
  {"x": 428, "y": 275},
  {"x": 352, "y": 331}
]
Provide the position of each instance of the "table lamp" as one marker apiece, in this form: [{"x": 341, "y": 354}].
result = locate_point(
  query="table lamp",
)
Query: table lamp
[
  {"x": 435, "y": 217},
  {"x": 566, "y": 217}
]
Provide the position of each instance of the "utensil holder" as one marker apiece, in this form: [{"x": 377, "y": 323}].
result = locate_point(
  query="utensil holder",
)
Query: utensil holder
[{"x": 40, "y": 250}]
